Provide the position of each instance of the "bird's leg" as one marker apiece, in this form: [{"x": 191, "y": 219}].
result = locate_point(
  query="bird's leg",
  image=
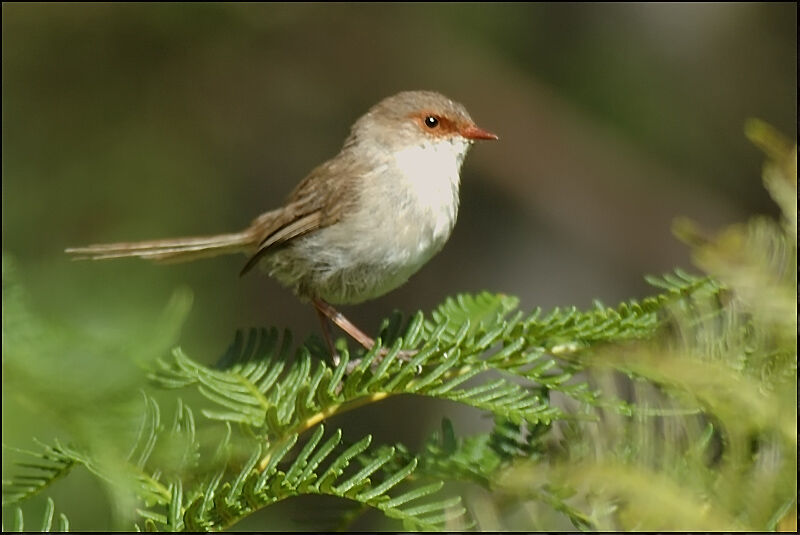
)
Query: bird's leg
[
  {"x": 326, "y": 333},
  {"x": 343, "y": 323},
  {"x": 325, "y": 310}
]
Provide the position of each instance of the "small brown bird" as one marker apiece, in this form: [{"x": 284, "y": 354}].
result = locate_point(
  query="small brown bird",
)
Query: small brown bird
[{"x": 360, "y": 224}]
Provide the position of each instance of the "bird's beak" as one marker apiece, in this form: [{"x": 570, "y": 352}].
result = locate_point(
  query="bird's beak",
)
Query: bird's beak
[{"x": 474, "y": 132}]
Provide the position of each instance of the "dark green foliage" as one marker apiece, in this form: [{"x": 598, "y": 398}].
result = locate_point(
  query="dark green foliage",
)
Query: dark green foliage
[
  {"x": 46, "y": 467},
  {"x": 258, "y": 384},
  {"x": 47, "y": 525},
  {"x": 318, "y": 467},
  {"x": 273, "y": 397}
]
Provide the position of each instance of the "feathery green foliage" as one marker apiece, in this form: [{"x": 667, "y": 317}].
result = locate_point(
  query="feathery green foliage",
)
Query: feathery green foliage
[
  {"x": 318, "y": 467},
  {"x": 49, "y": 466},
  {"x": 47, "y": 525},
  {"x": 650, "y": 415},
  {"x": 723, "y": 374}
]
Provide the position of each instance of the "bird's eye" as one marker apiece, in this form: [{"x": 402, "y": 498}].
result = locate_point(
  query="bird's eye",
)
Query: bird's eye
[{"x": 431, "y": 121}]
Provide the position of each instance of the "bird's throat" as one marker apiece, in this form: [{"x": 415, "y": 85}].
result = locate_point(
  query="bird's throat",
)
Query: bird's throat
[{"x": 430, "y": 175}]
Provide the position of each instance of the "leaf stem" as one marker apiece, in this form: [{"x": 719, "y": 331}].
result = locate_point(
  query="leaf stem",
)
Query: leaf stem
[{"x": 320, "y": 416}]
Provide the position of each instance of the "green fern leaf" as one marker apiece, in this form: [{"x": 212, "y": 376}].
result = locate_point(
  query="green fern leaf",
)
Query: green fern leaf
[
  {"x": 50, "y": 465},
  {"x": 220, "y": 505},
  {"x": 47, "y": 520}
]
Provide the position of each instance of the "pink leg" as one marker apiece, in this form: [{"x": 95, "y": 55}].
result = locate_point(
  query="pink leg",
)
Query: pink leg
[
  {"x": 326, "y": 310},
  {"x": 326, "y": 333}
]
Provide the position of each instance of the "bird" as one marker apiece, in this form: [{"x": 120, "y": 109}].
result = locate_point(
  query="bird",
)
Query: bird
[{"x": 359, "y": 224}]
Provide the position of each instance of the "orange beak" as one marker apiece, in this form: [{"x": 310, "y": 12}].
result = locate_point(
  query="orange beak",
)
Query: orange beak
[{"x": 474, "y": 132}]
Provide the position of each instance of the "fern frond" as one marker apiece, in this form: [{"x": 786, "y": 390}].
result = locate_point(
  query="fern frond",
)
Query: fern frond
[
  {"x": 47, "y": 466},
  {"x": 479, "y": 313},
  {"x": 256, "y": 382},
  {"x": 780, "y": 170},
  {"x": 319, "y": 467},
  {"x": 175, "y": 449},
  {"x": 481, "y": 458},
  {"x": 138, "y": 474},
  {"x": 47, "y": 526}
]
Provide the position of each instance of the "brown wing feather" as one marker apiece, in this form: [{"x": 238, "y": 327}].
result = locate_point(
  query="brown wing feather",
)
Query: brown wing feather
[
  {"x": 318, "y": 201},
  {"x": 283, "y": 235}
]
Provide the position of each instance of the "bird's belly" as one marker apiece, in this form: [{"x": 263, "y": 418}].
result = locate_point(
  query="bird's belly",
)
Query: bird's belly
[{"x": 365, "y": 255}]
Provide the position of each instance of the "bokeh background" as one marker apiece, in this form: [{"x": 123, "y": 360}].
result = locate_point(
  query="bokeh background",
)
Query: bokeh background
[{"x": 139, "y": 121}]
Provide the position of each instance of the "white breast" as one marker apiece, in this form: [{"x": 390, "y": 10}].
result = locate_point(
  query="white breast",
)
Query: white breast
[{"x": 431, "y": 176}]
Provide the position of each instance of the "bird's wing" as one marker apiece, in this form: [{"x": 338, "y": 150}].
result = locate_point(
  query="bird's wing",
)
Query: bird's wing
[
  {"x": 318, "y": 201},
  {"x": 283, "y": 235}
]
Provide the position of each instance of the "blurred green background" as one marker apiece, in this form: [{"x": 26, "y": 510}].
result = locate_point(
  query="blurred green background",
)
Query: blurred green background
[{"x": 139, "y": 121}]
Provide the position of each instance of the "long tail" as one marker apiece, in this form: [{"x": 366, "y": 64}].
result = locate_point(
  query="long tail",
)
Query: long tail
[{"x": 170, "y": 250}]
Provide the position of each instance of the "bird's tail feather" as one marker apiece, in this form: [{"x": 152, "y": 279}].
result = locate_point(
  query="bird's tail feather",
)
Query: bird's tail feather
[{"x": 169, "y": 250}]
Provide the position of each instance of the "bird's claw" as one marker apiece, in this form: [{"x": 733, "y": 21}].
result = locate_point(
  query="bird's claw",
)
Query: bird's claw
[{"x": 404, "y": 355}]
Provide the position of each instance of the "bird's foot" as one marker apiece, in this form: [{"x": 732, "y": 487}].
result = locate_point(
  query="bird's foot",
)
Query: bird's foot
[
  {"x": 404, "y": 355},
  {"x": 327, "y": 312}
]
